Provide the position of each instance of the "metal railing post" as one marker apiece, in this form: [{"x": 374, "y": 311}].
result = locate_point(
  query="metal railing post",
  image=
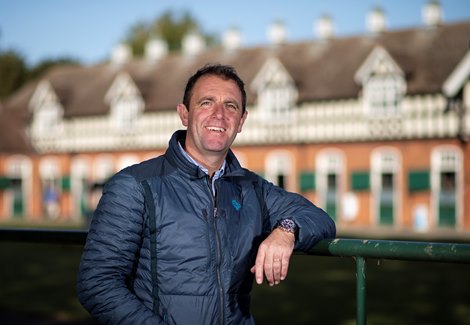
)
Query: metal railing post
[{"x": 361, "y": 290}]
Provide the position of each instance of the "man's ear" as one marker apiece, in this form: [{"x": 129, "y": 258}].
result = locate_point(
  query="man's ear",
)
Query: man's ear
[
  {"x": 242, "y": 121},
  {"x": 183, "y": 113}
]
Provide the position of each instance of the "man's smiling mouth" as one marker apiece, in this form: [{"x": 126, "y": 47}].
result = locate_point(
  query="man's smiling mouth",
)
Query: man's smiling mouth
[{"x": 216, "y": 129}]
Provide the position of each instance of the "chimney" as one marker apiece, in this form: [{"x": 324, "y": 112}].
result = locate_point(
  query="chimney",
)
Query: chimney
[
  {"x": 376, "y": 22},
  {"x": 121, "y": 54},
  {"x": 193, "y": 43},
  {"x": 277, "y": 33},
  {"x": 324, "y": 28},
  {"x": 232, "y": 39},
  {"x": 432, "y": 14},
  {"x": 155, "y": 49}
]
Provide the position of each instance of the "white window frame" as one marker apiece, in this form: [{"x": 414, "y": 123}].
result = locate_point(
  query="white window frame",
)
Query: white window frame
[
  {"x": 126, "y": 104},
  {"x": 125, "y": 112},
  {"x": 383, "y": 95},
  {"x": 19, "y": 167},
  {"x": 277, "y": 100},
  {"x": 447, "y": 158},
  {"x": 50, "y": 174},
  {"x": 103, "y": 168},
  {"x": 385, "y": 160},
  {"x": 279, "y": 163},
  {"x": 330, "y": 161}
]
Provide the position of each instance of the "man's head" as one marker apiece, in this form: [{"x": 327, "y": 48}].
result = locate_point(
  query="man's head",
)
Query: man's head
[
  {"x": 223, "y": 71},
  {"x": 213, "y": 110}
]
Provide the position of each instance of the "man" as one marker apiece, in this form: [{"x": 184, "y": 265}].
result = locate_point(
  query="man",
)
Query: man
[{"x": 178, "y": 239}]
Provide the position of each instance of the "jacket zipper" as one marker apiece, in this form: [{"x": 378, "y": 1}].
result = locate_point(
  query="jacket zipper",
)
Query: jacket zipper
[{"x": 218, "y": 253}]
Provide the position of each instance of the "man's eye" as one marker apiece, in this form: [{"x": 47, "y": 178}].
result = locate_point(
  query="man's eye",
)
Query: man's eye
[{"x": 232, "y": 107}]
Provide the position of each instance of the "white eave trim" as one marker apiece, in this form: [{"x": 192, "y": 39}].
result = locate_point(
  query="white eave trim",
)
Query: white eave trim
[
  {"x": 272, "y": 63},
  {"x": 366, "y": 68},
  {"x": 457, "y": 78}
]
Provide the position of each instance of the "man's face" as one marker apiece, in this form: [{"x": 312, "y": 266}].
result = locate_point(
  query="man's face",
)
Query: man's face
[{"x": 214, "y": 117}]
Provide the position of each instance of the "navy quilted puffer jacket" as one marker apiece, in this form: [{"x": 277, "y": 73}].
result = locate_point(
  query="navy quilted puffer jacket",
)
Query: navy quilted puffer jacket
[{"x": 204, "y": 245}]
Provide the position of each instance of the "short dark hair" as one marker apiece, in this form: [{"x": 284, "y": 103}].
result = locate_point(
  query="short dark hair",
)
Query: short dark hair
[{"x": 226, "y": 72}]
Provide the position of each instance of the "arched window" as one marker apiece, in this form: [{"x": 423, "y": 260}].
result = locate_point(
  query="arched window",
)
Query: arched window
[
  {"x": 279, "y": 168},
  {"x": 446, "y": 180},
  {"x": 330, "y": 166},
  {"x": 385, "y": 197},
  {"x": 103, "y": 168},
  {"x": 18, "y": 171},
  {"x": 49, "y": 171}
]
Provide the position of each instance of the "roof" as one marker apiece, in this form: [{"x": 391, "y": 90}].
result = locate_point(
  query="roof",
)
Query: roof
[
  {"x": 13, "y": 137},
  {"x": 321, "y": 69}
]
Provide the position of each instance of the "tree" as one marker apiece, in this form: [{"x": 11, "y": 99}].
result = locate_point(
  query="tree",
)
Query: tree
[
  {"x": 13, "y": 72},
  {"x": 170, "y": 26}
]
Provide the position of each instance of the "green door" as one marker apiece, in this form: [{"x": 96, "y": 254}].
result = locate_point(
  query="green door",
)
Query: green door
[
  {"x": 447, "y": 200},
  {"x": 332, "y": 196},
  {"x": 16, "y": 188},
  {"x": 386, "y": 200}
]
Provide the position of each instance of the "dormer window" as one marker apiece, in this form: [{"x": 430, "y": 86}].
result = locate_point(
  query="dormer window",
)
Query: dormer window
[
  {"x": 383, "y": 84},
  {"x": 47, "y": 111},
  {"x": 125, "y": 113},
  {"x": 126, "y": 103},
  {"x": 276, "y": 99},
  {"x": 277, "y": 94},
  {"x": 383, "y": 94}
]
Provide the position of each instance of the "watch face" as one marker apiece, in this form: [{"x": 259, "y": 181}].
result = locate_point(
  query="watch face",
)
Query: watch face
[{"x": 288, "y": 225}]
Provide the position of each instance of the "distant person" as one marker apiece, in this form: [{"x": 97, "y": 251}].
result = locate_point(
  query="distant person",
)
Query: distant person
[
  {"x": 51, "y": 202},
  {"x": 178, "y": 239}
]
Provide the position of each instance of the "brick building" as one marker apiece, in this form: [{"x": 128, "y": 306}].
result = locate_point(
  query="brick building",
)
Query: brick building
[{"x": 374, "y": 128}]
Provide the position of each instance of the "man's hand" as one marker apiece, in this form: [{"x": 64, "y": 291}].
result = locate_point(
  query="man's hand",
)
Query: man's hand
[{"x": 273, "y": 257}]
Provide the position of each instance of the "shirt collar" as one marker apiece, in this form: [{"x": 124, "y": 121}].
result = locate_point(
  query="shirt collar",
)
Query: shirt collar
[{"x": 218, "y": 173}]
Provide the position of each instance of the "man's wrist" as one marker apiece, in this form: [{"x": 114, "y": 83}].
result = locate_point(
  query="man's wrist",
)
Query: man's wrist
[{"x": 288, "y": 225}]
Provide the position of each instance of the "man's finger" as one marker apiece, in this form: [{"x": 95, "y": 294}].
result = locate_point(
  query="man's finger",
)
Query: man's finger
[
  {"x": 277, "y": 270},
  {"x": 259, "y": 267},
  {"x": 284, "y": 267}
]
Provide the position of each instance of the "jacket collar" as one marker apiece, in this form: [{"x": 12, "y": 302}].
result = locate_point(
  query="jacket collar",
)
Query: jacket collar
[{"x": 176, "y": 158}]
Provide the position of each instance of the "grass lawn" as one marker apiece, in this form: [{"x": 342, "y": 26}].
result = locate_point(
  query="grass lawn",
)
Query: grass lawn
[{"x": 37, "y": 286}]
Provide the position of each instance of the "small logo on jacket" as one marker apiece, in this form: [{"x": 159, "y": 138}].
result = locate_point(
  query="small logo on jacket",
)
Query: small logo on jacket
[{"x": 236, "y": 205}]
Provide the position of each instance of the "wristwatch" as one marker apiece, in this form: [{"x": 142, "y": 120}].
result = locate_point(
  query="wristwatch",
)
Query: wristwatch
[{"x": 287, "y": 225}]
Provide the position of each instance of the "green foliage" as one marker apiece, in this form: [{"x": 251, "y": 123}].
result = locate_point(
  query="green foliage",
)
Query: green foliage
[
  {"x": 13, "y": 72},
  {"x": 170, "y": 26}
]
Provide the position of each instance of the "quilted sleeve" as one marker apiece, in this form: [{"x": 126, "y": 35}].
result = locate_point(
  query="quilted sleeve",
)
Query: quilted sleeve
[
  {"x": 109, "y": 255},
  {"x": 314, "y": 224}
]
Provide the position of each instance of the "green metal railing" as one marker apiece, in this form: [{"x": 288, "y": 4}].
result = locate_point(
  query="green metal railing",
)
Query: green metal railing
[{"x": 359, "y": 249}]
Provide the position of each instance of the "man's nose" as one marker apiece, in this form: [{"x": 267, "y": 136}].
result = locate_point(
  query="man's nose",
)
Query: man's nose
[{"x": 219, "y": 110}]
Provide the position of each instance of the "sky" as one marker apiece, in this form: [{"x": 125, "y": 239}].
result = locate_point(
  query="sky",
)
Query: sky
[{"x": 87, "y": 30}]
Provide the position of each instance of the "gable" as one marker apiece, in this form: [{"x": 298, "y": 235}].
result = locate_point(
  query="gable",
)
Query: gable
[
  {"x": 272, "y": 72},
  {"x": 122, "y": 87},
  {"x": 379, "y": 61},
  {"x": 457, "y": 79},
  {"x": 43, "y": 95}
]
